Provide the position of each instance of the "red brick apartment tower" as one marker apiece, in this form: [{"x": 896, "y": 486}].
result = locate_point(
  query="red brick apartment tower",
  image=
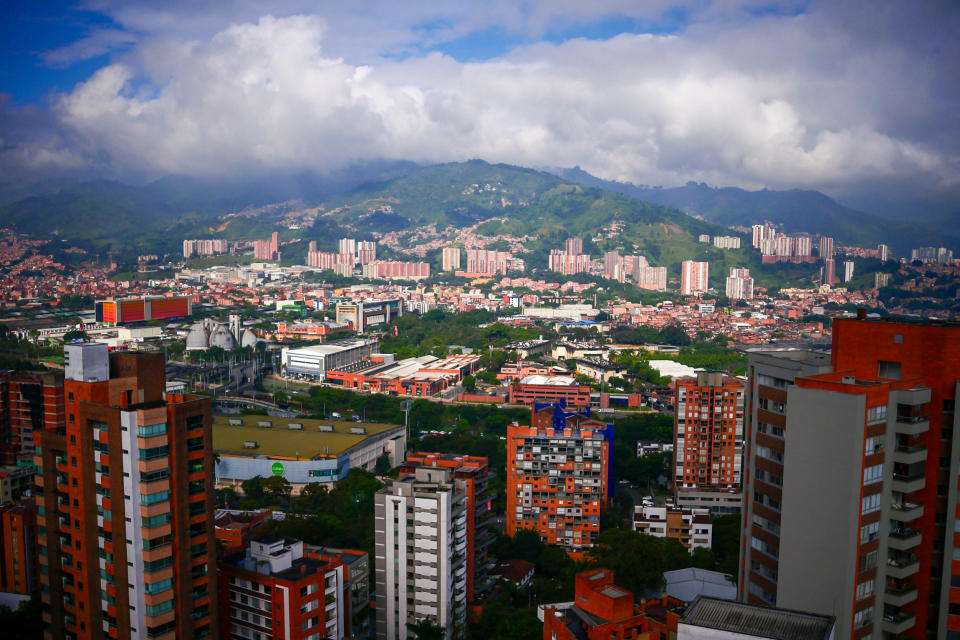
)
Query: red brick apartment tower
[
  {"x": 708, "y": 442},
  {"x": 475, "y": 472},
  {"x": 28, "y": 401},
  {"x": 18, "y": 548},
  {"x": 126, "y": 504},
  {"x": 868, "y": 507},
  {"x": 558, "y": 476},
  {"x": 273, "y": 591}
]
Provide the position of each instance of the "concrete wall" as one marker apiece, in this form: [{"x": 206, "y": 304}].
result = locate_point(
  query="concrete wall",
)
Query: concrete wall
[{"x": 821, "y": 503}]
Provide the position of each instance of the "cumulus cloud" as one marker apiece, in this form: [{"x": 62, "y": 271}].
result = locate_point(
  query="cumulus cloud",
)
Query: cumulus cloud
[{"x": 777, "y": 101}]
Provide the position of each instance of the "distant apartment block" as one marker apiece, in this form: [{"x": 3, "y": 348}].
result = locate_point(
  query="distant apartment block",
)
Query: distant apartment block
[
  {"x": 208, "y": 247},
  {"x": 848, "y": 270},
  {"x": 739, "y": 284},
  {"x": 488, "y": 262},
  {"x": 881, "y": 280},
  {"x": 708, "y": 441},
  {"x": 704, "y": 238},
  {"x": 653, "y": 278},
  {"x": 726, "y": 242},
  {"x": 29, "y": 401},
  {"x": 451, "y": 258},
  {"x": 761, "y": 232},
  {"x": 826, "y": 247},
  {"x": 558, "y": 476},
  {"x": 395, "y": 270},
  {"x": 694, "y": 277},
  {"x": 267, "y": 249},
  {"x": 19, "y": 570},
  {"x": 692, "y": 528},
  {"x": 573, "y": 246},
  {"x": 932, "y": 255},
  {"x": 342, "y": 263},
  {"x": 366, "y": 251},
  {"x": 568, "y": 263},
  {"x": 828, "y": 273},
  {"x": 883, "y": 252}
]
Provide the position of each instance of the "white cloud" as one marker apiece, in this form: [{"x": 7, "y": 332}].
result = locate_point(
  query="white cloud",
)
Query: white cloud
[{"x": 775, "y": 101}]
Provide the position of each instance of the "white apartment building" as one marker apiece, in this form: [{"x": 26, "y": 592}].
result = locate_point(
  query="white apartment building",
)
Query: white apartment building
[
  {"x": 692, "y": 527},
  {"x": 420, "y": 552}
]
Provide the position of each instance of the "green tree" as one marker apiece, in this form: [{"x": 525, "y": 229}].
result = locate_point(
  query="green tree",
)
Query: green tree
[
  {"x": 75, "y": 334},
  {"x": 425, "y": 629},
  {"x": 277, "y": 488},
  {"x": 253, "y": 489},
  {"x": 637, "y": 559},
  {"x": 469, "y": 383},
  {"x": 382, "y": 466}
]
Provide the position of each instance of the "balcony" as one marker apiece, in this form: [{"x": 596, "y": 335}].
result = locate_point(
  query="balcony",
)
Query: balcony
[
  {"x": 909, "y": 455},
  {"x": 914, "y": 397},
  {"x": 908, "y": 482},
  {"x": 899, "y": 595},
  {"x": 906, "y": 511},
  {"x": 899, "y": 622},
  {"x": 903, "y": 539},
  {"x": 912, "y": 425},
  {"x": 903, "y": 566}
]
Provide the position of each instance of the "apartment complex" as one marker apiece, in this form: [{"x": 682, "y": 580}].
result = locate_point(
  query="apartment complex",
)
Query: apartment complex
[
  {"x": 488, "y": 262},
  {"x": 28, "y": 401},
  {"x": 558, "y": 476},
  {"x": 267, "y": 249},
  {"x": 739, "y": 284},
  {"x": 421, "y": 545},
  {"x": 690, "y": 527},
  {"x": 396, "y": 270},
  {"x": 450, "y": 258},
  {"x": 474, "y": 471},
  {"x": 126, "y": 504},
  {"x": 272, "y": 590},
  {"x": 708, "y": 442},
  {"x": 853, "y": 480},
  {"x": 694, "y": 277},
  {"x": 19, "y": 572}
]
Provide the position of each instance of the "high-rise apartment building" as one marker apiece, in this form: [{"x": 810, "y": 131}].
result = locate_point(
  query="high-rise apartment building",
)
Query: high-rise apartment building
[
  {"x": 29, "y": 400},
  {"x": 859, "y": 518},
  {"x": 488, "y": 262},
  {"x": 267, "y": 249},
  {"x": 739, "y": 284},
  {"x": 421, "y": 543},
  {"x": 573, "y": 246},
  {"x": 927, "y": 255},
  {"x": 451, "y": 258},
  {"x": 708, "y": 442},
  {"x": 802, "y": 246},
  {"x": 847, "y": 270},
  {"x": 726, "y": 242},
  {"x": 126, "y": 504},
  {"x": 568, "y": 263},
  {"x": 647, "y": 277},
  {"x": 19, "y": 572},
  {"x": 828, "y": 274},
  {"x": 761, "y": 232},
  {"x": 474, "y": 471},
  {"x": 272, "y": 590},
  {"x": 883, "y": 252},
  {"x": 880, "y": 280},
  {"x": 826, "y": 247},
  {"x": 694, "y": 277},
  {"x": 692, "y": 528},
  {"x": 558, "y": 476},
  {"x": 366, "y": 251},
  {"x": 347, "y": 246}
]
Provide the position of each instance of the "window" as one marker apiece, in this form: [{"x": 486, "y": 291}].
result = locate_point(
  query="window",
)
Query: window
[
  {"x": 863, "y": 618},
  {"x": 158, "y": 609},
  {"x": 870, "y": 503},
  {"x": 156, "y": 521},
  {"x": 151, "y": 430},
  {"x": 865, "y": 589},
  {"x": 873, "y": 474},
  {"x": 770, "y": 405},
  {"x": 873, "y": 445},
  {"x": 154, "y": 498},
  {"x": 770, "y": 381},
  {"x": 154, "y": 452},
  {"x": 153, "y": 476},
  {"x": 158, "y": 587},
  {"x": 877, "y": 414},
  {"x": 888, "y": 369},
  {"x": 195, "y": 444},
  {"x": 869, "y": 532},
  {"x": 868, "y": 561}
]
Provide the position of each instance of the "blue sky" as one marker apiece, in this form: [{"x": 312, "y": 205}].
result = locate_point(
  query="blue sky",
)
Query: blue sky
[{"x": 856, "y": 99}]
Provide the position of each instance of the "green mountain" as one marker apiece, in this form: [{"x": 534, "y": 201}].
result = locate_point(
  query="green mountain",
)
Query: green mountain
[{"x": 797, "y": 210}]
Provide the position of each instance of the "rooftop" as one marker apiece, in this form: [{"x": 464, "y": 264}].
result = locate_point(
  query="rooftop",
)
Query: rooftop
[
  {"x": 752, "y": 620},
  {"x": 279, "y": 441},
  {"x": 336, "y": 346}
]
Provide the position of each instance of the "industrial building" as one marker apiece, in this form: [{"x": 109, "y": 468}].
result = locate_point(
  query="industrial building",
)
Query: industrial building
[
  {"x": 301, "y": 450},
  {"x": 142, "y": 309},
  {"x": 313, "y": 362},
  {"x": 368, "y": 313}
]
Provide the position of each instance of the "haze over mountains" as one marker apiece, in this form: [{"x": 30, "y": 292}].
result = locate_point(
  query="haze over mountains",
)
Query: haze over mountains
[{"x": 109, "y": 212}]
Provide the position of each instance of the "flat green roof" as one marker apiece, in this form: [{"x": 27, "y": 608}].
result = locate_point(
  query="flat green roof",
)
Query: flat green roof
[{"x": 279, "y": 441}]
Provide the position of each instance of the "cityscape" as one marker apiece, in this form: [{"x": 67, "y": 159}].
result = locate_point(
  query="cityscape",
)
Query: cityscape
[{"x": 447, "y": 322}]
